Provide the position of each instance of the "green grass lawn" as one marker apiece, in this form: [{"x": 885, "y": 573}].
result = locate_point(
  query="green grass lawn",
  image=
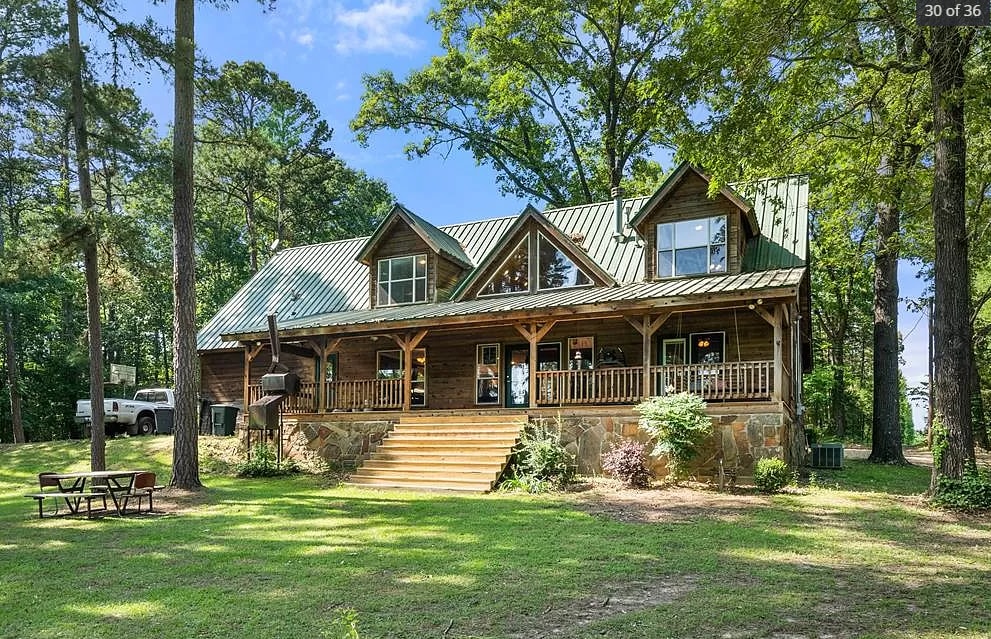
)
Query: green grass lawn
[{"x": 282, "y": 557}]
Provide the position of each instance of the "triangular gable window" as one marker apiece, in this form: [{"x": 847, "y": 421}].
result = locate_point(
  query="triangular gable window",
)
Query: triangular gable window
[
  {"x": 514, "y": 274},
  {"x": 555, "y": 268},
  {"x": 546, "y": 269}
]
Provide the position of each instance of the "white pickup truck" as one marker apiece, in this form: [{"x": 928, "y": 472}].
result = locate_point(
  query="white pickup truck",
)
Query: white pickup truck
[{"x": 133, "y": 416}]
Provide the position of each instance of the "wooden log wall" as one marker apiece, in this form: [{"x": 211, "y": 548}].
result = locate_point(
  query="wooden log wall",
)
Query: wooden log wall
[{"x": 451, "y": 354}]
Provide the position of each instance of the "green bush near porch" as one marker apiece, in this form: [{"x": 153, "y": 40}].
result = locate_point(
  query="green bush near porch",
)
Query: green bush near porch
[{"x": 285, "y": 557}]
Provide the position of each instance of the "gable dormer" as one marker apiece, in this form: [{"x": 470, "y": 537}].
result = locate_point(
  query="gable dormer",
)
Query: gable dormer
[
  {"x": 686, "y": 233},
  {"x": 532, "y": 256},
  {"x": 411, "y": 261}
]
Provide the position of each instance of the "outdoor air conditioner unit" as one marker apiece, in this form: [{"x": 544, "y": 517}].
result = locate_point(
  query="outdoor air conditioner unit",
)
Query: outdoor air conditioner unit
[{"x": 826, "y": 456}]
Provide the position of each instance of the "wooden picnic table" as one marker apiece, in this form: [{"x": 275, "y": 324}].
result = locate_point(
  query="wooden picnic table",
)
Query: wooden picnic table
[{"x": 72, "y": 488}]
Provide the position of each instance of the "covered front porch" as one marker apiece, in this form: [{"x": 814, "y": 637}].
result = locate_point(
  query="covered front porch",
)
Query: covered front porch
[{"x": 614, "y": 385}]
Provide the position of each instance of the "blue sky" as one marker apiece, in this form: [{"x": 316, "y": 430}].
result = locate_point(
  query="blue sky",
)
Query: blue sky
[{"x": 323, "y": 47}]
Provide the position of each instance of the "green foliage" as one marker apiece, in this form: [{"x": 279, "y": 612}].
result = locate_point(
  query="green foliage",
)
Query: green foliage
[
  {"x": 540, "y": 462},
  {"x": 344, "y": 626},
  {"x": 560, "y": 99},
  {"x": 263, "y": 462},
  {"x": 678, "y": 426},
  {"x": 771, "y": 474},
  {"x": 971, "y": 492},
  {"x": 627, "y": 461}
]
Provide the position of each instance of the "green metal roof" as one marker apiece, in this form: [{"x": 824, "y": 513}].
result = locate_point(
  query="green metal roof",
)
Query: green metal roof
[
  {"x": 304, "y": 283},
  {"x": 782, "y": 209},
  {"x": 660, "y": 294},
  {"x": 435, "y": 238}
]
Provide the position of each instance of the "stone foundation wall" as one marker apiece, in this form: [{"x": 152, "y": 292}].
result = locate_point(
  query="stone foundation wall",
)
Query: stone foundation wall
[
  {"x": 339, "y": 443},
  {"x": 740, "y": 439}
]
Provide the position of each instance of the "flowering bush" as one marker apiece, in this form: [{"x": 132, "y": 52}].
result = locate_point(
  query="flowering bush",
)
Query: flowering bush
[{"x": 627, "y": 462}]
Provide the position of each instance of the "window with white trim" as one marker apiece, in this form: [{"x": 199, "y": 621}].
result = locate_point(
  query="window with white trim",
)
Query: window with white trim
[
  {"x": 402, "y": 280},
  {"x": 691, "y": 247}
]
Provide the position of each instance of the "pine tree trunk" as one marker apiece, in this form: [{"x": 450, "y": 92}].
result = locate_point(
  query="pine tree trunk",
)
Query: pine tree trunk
[
  {"x": 886, "y": 435},
  {"x": 98, "y": 443},
  {"x": 951, "y": 326},
  {"x": 185, "y": 456},
  {"x": 13, "y": 383}
]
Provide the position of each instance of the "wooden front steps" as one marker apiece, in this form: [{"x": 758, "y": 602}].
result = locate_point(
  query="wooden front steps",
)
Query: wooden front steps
[{"x": 455, "y": 453}]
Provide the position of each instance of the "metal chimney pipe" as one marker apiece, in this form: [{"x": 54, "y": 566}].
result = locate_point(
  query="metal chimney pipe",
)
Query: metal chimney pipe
[
  {"x": 617, "y": 196},
  {"x": 273, "y": 336}
]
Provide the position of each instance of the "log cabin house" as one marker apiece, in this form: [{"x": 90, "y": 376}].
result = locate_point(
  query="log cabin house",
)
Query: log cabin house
[{"x": 429, "y": 346}]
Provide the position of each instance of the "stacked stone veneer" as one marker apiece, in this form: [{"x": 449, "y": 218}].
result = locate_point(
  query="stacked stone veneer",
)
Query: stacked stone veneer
[
  {"x": 740, "y": 438},
  {"x": 340, "y": 443}
]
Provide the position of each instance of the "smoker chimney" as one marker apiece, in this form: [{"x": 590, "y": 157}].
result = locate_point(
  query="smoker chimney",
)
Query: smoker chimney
[{"x": 619, "y": 233}]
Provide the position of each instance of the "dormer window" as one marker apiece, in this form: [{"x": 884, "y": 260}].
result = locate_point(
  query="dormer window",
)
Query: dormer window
[
  {"x": 691, "y": 247},
  {"x": 402, "y": 280}
]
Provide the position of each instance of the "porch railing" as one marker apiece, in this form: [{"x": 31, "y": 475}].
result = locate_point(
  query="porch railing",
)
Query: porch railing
[
  {"x": 728, "y": 380},
  {"x": 713, "y": 382},
  {"x": 617, "y": 385},
  {"x": 359, "y": 394},
  {"x": 354, "y": 394},
  {"x": 620, "y": 385}
]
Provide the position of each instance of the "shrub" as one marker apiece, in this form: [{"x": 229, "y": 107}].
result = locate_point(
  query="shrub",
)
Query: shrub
[
  {"x": 540, "y": 462},
  {"x": 771, "y": 475},
  {"x": 628, "y": 462},
  {"x": 263, "y": 463},
  {"x": 970, "y": 492},
  {"x": 678, "y": 426}
]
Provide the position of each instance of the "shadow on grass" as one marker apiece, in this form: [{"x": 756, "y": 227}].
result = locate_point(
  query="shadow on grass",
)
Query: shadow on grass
[{"x": 276, "y": 558}]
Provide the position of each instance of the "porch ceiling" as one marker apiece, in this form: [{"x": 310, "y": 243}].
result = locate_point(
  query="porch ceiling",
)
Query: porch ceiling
[{"x": 585, "y": 302}]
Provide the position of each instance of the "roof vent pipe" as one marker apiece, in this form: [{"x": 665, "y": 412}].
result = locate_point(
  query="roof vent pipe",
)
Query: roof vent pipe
[{"x": 617, "y": 196}]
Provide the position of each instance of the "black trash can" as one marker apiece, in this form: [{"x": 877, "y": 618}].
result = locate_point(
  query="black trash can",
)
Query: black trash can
[
  {"x": 164, "y": 420},
  {"x": 224, "y": 419}
]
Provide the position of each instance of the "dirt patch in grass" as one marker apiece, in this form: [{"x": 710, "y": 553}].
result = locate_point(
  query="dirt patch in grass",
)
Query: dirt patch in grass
[
  {"x": 668, "y": 504},
  {"x": 610, "y": 601}
]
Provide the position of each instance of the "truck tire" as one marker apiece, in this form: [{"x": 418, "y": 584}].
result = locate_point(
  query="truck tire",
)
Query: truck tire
[{"x": 146, "y": 425}]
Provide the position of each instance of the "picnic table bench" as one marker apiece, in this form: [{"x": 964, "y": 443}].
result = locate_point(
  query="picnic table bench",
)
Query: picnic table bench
[{"x": 120, "y": 486}]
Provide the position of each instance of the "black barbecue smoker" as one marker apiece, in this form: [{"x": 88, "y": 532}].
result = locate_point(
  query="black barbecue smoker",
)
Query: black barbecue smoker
[{"x": 277, "y": 384}]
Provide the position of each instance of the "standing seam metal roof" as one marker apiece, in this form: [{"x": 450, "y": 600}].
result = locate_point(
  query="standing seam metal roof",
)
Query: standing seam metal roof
[{"x": 320, "y": 280}]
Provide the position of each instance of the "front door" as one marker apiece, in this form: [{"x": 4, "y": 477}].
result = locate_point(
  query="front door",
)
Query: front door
[
  {"x": 518, "y": 371},
  {"x": 517, "y": 376}
]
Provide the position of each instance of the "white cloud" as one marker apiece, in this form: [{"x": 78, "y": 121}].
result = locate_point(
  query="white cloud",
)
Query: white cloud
[
  {"x": 304, "y": 38},
  {"x": 379, "y": 27}
]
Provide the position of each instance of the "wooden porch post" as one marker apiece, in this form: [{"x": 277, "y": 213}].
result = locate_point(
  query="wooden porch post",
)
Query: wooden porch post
[
  {"x": 775, "y": 320},
  {"x": 647, "y": 328},
  {"x": 408, "y": 344},
  {"x": 251, "y": 351},
  {"x": 533, "y": 333},
  {"x": 778, "y": 359},
  {"x": 323, "y": 349}
]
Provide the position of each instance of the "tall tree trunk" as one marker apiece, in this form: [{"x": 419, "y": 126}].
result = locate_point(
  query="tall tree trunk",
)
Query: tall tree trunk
[
  {"x": 954, "y": 446},
  {"x": 13, "y": 383},
  {"x": 98, "y": 443},
  {"x": 978, "y": 414},
  {"x": 185, "y": 455},
  {"x": 10, "y": 354},
  {"x": 886, "y": 435},
  {"x": 249, "y": 215},
  {"x": 837, "y": 391}
]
